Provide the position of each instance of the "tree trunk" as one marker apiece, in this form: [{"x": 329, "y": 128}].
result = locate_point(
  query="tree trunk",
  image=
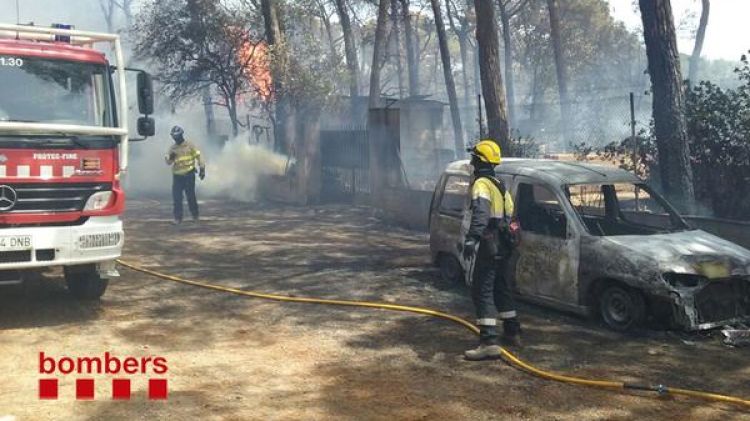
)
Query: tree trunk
[
  {"x": 450, "y": 85},
  {"x": 463, "y": 40},
  {"x": 398, "y": 51},
  {"x": 560, "y": 67},
  {"x": 489, "y": 69},
  {"x": 350, "y": 47},
  {"x": 463, "y": 49},
  {"x": 669, "y": 102},
  {"x": 476, "y": 79},
  {"x": 328, "y": 30},
  {"x": 283, "y": 137},
  {"x": 509, "y": 85},
  {"x": 537, "y": 95},
  {"x": 271, "y": 21},
  {"x": 477, "y": 76},
  {"x": 411, "y": 51},
  {"x": 232, "y": 109},
  {"x": 208, "y": 110},
  {"x": 378, "y": 51},
  {"x": 700, "y": 36}
]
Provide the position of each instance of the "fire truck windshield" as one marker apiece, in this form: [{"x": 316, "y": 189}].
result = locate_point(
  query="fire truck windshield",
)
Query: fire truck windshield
[{"x": 54, "y": 91}]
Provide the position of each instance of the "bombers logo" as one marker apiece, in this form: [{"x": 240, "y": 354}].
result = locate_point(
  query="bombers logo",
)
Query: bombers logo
[{"x": 107, "y": 365}]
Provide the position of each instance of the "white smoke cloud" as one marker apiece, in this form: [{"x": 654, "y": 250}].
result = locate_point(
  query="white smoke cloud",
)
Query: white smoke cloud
[
  {"x": 232, "y": 170},
  {"x": 235, "y": 171}
]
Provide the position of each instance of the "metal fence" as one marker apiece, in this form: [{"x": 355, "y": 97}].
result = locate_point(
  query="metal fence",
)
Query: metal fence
[{"x": 345, "y": 164}]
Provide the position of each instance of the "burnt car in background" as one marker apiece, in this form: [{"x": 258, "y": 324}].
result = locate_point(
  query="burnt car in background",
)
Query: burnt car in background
[{"x": 598, "y": 240}]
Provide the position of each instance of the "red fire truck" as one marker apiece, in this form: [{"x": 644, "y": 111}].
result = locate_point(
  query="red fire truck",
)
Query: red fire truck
[{"x": 63, "y": 153}]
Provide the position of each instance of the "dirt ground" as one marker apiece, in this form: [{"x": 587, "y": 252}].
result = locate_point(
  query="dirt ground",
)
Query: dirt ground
[{"x": 236, "y": 358}]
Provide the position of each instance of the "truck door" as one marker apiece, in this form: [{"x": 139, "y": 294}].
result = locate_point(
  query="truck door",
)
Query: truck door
[{"x": 547, "y": 265}]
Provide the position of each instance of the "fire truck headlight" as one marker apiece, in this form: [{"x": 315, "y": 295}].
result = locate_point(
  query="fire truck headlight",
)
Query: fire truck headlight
[{"x": 98, "y": 201}]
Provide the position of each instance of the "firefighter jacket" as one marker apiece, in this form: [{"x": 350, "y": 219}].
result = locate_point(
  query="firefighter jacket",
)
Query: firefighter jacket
[
  {"x": 183, "y": 157},
  {"x": 490, "y": 209}
]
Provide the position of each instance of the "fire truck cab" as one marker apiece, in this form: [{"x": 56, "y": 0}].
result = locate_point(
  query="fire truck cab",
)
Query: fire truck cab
[{"x": 63, "y": 153}]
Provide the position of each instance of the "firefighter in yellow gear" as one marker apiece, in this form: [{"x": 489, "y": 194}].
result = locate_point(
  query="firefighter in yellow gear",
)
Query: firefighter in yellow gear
[
  {"x": 183, "y": 157},
  {"x": 488, "y": 242}
]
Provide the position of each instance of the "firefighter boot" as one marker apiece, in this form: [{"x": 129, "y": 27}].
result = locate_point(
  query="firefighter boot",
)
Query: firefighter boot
[
  {"x": 511, "y": 332},
  {"x": 483, "y": 352},
  {"x": 488, "y": 348}
]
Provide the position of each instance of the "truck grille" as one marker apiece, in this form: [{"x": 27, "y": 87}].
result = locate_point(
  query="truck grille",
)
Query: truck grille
[
  {"x": 53, "y": 198},
  {"x": 723, "y": 300}
]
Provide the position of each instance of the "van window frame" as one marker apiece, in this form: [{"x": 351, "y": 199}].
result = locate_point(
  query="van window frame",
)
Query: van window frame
[
  {"x": 532, "y": 182},
  {"x": 457, "y": 213}
]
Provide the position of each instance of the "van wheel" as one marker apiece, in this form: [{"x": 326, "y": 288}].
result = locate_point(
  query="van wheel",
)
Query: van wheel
[
  {"x": 450, "y": 269},
  {"x": 84, "y": 283},
  {"x": 621, "y": 308}
]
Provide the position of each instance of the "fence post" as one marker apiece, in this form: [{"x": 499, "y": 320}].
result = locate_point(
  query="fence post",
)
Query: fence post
[
  {"x": 633, "y": 139},
  {"x": 481, "y": 124}
]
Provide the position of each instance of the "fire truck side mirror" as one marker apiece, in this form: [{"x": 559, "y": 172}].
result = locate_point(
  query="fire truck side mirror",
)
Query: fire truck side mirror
[
  {"x": 146, "y": 126},
  {"x": 145, "y": 94}
]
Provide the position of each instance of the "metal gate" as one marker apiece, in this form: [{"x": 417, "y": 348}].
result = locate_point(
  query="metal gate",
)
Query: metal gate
[{"x": 345, "y": 164}]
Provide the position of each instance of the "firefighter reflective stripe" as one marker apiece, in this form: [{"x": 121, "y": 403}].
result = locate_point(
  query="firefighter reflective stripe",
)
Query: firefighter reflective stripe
[
  {"x": 486, "y": 322},
  {"x": 482, "y": 193},
  {"x": 504, "y": 315},
  {"x": 185, "y": 157},
  {"x": 500, "y": 206}
]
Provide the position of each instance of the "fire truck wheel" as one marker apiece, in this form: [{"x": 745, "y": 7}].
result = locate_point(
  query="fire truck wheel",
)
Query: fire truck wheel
[{"x": 85, "y": 283}]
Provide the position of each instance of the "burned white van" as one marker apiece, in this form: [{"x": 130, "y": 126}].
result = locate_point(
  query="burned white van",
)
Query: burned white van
[{"x": 598, "y": 240}]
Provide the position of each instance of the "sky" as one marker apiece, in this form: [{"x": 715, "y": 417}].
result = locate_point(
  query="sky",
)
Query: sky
[{"x": 727, "y": 35}]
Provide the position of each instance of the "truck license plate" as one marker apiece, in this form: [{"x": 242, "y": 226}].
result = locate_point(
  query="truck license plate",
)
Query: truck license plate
[{"x": 15, "y": 242}]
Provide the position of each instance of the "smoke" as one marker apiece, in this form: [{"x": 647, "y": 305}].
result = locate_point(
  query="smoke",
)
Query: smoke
[{"x": 233, "y": 170}]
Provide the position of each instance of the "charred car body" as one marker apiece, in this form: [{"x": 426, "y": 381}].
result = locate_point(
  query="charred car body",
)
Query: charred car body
[{"x": 598, "y": 240}]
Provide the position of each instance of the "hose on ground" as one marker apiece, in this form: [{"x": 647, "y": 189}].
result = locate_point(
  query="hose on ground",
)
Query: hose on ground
[{"x": 509, "y": 357}]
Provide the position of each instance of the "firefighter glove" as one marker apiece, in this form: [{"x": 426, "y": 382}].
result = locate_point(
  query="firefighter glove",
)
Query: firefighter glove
[{"x": 202, "y": 173}]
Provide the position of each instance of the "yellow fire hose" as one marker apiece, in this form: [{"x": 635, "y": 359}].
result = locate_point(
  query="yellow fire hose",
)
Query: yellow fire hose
[{"x": 662, "y": 390}]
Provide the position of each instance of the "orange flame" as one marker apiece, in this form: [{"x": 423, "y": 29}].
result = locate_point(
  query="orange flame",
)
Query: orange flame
[{"x": 254, "y": 58}]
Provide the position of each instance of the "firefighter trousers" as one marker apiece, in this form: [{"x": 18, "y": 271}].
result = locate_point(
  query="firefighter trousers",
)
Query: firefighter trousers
[
  {"x": 184, "y": 183},
  {"x": 492, "y": 298}
]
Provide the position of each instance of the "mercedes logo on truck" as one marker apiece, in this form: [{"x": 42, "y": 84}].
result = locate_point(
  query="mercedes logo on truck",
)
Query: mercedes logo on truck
[{"x": 8, "y": 198}]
